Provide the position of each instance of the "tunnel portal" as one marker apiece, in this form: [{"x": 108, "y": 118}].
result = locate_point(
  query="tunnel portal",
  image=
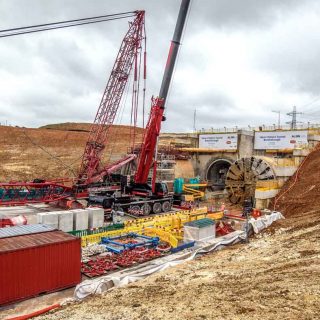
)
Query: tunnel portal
[{"x": 217, "y": 173}]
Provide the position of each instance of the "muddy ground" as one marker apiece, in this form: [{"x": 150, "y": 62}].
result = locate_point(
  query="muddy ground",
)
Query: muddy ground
[{"x": 275, "y": 276}]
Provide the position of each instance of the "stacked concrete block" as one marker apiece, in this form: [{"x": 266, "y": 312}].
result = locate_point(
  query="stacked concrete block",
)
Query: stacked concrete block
[
  {"x": 65, "y": 219},
  {"x": 96, "y": 217},
  {"x": 80, "y": 219},
  {"x": 49, "y": 218},
  {"x": 199, "y": 230}
]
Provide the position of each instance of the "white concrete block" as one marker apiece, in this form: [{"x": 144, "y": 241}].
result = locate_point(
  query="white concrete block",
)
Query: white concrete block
[
  {"x": 32, "y": 219},
  {"x": 65, "y": 219},
  {"x": 262, "y": 203},
  {"x": 80, "y": 219},
  {"x": 48, "y": 218},
  {"x": 199, "y": 234},
  {"x": 96, "y": 217}
]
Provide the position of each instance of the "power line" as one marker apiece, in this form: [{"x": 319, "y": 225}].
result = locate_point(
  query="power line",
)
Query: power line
[
  {"x": 293, "y": 122},
  {"x": 64, "y": 24},
  {"x": 313, "y": 101}
]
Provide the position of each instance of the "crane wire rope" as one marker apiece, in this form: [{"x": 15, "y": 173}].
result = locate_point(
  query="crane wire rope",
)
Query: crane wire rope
[
  {"x": 59, "y": 25},
  {"x": 50, "y": 154},
  {"x": 135, "y": 99},
  {"x": 144, "y": 75},
  {"x": 64, "y": 24}
]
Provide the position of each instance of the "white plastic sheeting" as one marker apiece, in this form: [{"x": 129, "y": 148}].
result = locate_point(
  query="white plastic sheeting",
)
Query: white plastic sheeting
[
  {"x": 99, "y": 285},
  {"x": 124, "y": 277},
  {"x": 265, "y": 221}
]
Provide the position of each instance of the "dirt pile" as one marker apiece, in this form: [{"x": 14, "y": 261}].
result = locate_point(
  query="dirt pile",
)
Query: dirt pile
[
  {"x": 301, "y": 193},
  {"x": 26, "y": 153}
]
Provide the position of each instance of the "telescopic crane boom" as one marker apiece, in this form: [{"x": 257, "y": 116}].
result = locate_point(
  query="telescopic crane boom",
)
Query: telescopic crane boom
[{"x": 149, "y": 146}]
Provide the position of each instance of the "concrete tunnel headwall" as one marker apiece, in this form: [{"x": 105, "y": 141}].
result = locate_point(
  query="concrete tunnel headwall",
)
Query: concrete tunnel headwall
[{"x": 210, "y": 164}]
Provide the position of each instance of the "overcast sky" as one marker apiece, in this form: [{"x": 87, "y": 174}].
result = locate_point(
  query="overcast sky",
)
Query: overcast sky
[{"x": 239, "y": 60}]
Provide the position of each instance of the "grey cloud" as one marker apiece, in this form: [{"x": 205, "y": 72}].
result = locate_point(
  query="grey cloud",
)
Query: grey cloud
[
  {"x": 296, "y": 66},
  {"x": 246, "y": 13}
]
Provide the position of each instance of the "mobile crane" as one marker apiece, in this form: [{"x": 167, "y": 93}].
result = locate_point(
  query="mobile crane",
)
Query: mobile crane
[{"x": 136, "y": 193}]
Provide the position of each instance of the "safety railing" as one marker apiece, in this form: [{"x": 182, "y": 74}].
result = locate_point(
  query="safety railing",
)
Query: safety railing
[
  {"x": 302, "y": 126},
  {"x": 96, "y": 238},
  {"x": 163, "y": 235},
  {"x": 166, "y": 224},
  {"x": 82, "y": 233}
]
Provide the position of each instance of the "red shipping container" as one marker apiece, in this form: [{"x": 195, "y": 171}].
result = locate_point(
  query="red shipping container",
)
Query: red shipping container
[{"x": 37, "y": 263}]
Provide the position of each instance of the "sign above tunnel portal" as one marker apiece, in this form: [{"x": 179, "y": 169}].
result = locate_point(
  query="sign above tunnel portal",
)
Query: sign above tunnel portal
[
  {"x": 278, "y": 140},
  {"x": 219, "y": 141}
]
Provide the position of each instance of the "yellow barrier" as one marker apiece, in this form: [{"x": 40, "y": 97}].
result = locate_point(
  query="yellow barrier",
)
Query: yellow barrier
[
  {"x": 163, "y": 235},
  {"x": 197, "y": 194},
  {"x": 169, "y": 225},
  {"x": 266, "y": 189},
  {"x": 173, "y": 220},
  {"x": 215, "y": 215},
  {"x": 96, "y": 238}
]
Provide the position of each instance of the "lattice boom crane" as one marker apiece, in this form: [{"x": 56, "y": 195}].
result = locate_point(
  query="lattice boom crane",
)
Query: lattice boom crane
[{"x": 91, "y": 169}]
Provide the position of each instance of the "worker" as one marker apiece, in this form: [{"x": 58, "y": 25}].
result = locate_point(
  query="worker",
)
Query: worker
[{"x": 247, "y": 207}]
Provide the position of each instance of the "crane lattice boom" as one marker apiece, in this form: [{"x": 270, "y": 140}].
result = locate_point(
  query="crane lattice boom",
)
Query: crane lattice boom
[{"x": 91, "y": 169}]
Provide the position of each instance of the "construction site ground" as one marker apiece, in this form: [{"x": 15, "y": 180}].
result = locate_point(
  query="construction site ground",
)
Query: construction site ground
[{"x": 275, "y": 276}]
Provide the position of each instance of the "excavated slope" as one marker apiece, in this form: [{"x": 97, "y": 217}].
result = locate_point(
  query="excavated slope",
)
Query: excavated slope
[
  {"x": 301, "y": 193},
  {"x": 53, "y": 151}
]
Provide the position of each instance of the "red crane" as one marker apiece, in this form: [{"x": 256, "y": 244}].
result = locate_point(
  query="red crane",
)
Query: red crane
[
  {"x": 148, "y": 154},
  {"x": 91, "y": 169},
  {"x": 154, "y": 199},
  {"x": 137, "y": 196}
]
